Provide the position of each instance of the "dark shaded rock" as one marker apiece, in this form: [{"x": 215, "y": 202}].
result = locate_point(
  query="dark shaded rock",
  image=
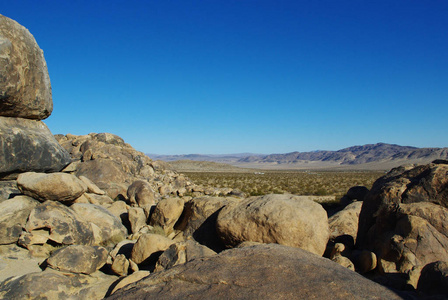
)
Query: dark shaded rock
[
  {"x": 198, "y": 220},
  {"x": 25, "y": 89},
  {"x": 13, "y": 216},
  {"x": 284, "y": 219},
  {"x": 78, "y": 259},
  {"x": 258, "y": 272},
  {"x": 28, "y": 145},
  {"x": 357, "y": 193},
  {"x": 8, "y": 189},
  {"x": 54, "y": 186},
  {"x": 434, "y": 279}
]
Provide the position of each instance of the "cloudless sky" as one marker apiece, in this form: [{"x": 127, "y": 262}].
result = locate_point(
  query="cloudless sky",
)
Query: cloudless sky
[{"x": 178, "y": 77}]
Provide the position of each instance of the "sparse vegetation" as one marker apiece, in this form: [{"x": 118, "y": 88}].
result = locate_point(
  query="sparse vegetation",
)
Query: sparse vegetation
[{"x": 319, "y": 183}]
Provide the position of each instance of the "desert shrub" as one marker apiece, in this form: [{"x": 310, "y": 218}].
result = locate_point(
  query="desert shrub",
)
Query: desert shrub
[{"x": 293, "y": 182}]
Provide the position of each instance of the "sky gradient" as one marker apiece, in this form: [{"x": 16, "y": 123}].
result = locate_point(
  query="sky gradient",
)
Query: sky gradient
[{"x": 180, "y": 77}]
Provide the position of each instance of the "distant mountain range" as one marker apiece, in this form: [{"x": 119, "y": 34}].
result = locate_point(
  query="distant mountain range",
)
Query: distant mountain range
[{"x": 371, "y": 156}]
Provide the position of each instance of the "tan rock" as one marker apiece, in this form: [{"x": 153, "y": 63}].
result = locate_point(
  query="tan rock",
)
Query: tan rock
[
  {"x": 141, "y": 194},
  {"x": 345, "y": 222},
  {"x": 120, "y": 265},
  {"x": 54, "y": 186},
  {"x": 91, "y": 187},
  {"x": 111, "y": 230},
  {"x": 282, "y": 219},
  {"x": 136, "y": 276},
  {"x": 147, "y": 245},
  {"x": 180, "y": 253},
  {"x": 137, "y": 218},
  {"x": 259, "y": 272},
  {"x": 166, "y": 213},
  {"x": 78, "y": 259}
]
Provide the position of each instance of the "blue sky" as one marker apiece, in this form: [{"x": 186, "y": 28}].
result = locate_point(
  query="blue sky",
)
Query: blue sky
[{"x": 178, "y": 77}]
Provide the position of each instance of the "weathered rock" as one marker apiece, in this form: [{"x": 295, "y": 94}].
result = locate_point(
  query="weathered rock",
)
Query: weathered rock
[
  {"x": 345, "y": 222},
  {"x": 258, "y": 272},
  {"x": 364, "y": 261},
  {"x": 91, "y": 187},
  {"x": 25, "y": 89},
  {"x": 56, "y": 222},
  {"x": 403, "y": 219},
  {"x": 136, "y": 276},
  {"x": 78, "y": 259},
  {"x": 434, "y": 279},
  {"x": 344, "y": 261},
  {"x": 282, "y": 219},
  {"x": 148, "y": 247},
  {"x": 28, "y": 145},
  {"x": 180, "y": 253},
  {"x": 137, "y": 218},
  {"x": 102, "y": 200},
  {"x": 124, "y": 247},
  {"x": 199, "y": 220},
  {"x": 51, "y": 284},
  {"x": 8, "y": 189},
  {"x": 55, "y": 186},
  {"x": 13, "y": 216},
  {"x": 166, "y": 213},
  {"x": 120, "y": 265},
  {"x": 17, "y": 261},
  {"x": 110, "y": 229},
  {"x": 141, "y": 194}
]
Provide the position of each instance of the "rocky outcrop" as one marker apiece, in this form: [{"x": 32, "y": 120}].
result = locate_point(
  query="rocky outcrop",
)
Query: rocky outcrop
[
  {"x": 434, "y": 279},
  {"x": 345, "y": 222},
  {"x": 114, "y": 166},
  {"x": 28, "y": 145},
  {"x": 404, "y": 218},
  {"x": 282, "y": 219},
  {"x": 166, "y": 213},
  {"x": 25, "y": 90},
  {"x": 257, "y": 272},
  {"x": 148, "y": 247}
]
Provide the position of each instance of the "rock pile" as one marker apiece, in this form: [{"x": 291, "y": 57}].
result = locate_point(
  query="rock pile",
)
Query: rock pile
[{"x": 88, "y": 217}]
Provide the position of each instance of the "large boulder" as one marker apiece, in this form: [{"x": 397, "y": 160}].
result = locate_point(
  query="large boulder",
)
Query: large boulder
[
  {"x": 107, "y": 228},
  {"x": 25, "y": 89},
  {"x": 149, "y": 247},
  {"x": 55, "y": 224},
  {"x": 434, "y": 279},
  {"x": 13, "y": 216},
  {"x": 166, "y": 213},
  {"x": 78, "y": 259},
  {"x": 283, "y": 219},
  {"x": 28, "y": 145},
  {"x": 54, "y": 186},
  {"x": 257, "y": 272},
  {"x": 404, "y": 218},
  {"x": 345, "y": 222}
]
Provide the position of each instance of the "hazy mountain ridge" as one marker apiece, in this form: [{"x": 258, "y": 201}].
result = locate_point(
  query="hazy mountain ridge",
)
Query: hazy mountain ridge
[{"x": 371, "y": 154}]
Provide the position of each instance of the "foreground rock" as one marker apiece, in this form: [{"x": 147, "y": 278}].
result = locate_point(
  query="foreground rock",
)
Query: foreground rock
[
  {"x": 51, "y": 284},
  {"x": 404, "y": 218},
  {"x": 28, "y": 145},
  {"x": 282, "y": 219},
  {"x": 257, "y": 272},
  {"x": 24, "y": 80}
]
